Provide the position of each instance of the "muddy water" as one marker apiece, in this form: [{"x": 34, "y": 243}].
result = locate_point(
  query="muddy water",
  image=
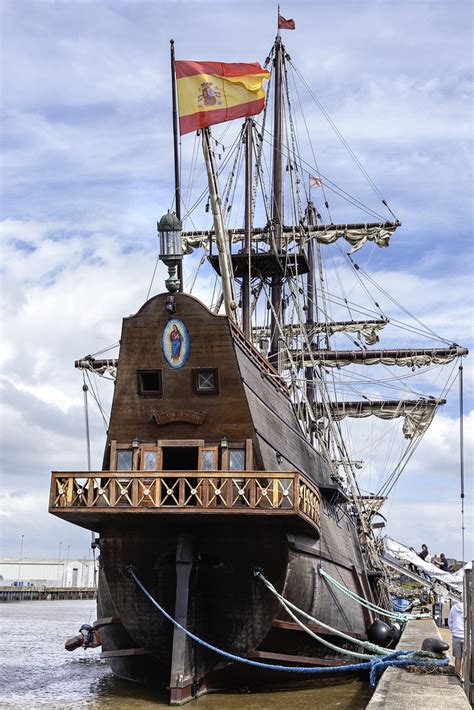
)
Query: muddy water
[{"x": 37, "y": 672}]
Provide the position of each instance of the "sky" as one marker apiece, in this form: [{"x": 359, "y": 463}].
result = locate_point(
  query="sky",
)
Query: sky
[{"x": 87, "y": 170}]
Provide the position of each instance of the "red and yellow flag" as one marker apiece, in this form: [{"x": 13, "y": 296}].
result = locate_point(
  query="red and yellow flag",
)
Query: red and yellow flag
[{"x": 213, "y": 92}]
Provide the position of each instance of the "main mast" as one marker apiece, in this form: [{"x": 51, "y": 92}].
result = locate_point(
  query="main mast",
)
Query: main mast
[
  {"x": 246, "y": 279},
  {"x": 177, "y": 178},
  {"x": 277, "y": 202}
]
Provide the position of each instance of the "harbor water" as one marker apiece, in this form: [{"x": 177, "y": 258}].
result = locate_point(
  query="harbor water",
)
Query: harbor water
[{"x": 37, "y": 672}]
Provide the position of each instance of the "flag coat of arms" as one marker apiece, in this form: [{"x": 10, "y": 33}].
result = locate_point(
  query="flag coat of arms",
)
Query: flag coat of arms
[{"x": 213, "y": 92}]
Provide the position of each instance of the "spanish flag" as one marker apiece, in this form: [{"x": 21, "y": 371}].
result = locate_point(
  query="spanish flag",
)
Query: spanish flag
[{"x": 213, "y": 92}]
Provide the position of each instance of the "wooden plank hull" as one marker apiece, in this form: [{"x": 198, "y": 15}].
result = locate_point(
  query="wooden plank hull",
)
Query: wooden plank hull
[{"x": 228, "y": 606}]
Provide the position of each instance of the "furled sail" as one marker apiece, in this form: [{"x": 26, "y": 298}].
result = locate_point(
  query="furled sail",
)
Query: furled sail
[
  {"x": 100, "y": 367},
  {"x": 355, "y": 234},
  {"x": 416, "y": 357},
  {"x": 417, "y": 414},
  {"x": 367, "y": 328}
]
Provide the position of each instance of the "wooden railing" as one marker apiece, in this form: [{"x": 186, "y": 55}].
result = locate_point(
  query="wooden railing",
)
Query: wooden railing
[{"x": 255, "y": 492}]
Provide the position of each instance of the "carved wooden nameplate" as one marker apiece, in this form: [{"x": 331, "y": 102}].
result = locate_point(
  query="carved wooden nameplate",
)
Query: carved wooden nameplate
[{"x": 179, "y": 415}]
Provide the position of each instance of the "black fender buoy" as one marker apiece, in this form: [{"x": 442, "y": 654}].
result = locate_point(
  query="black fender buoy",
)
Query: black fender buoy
[
  {"x": 396, "y": 633},
  {"x": 380, "y": 633},
  {"x": 434, "y": 644}
]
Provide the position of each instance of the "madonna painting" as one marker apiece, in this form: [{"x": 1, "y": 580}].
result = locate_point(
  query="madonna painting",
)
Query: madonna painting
[{"x": 175, "y": 343}]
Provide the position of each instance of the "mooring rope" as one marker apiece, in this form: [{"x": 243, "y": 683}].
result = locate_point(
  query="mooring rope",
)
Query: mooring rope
[
  {"x": 375, "y": 666},
  {"x": 369, "y": 605},
  {"x": 378, "y": 650}
]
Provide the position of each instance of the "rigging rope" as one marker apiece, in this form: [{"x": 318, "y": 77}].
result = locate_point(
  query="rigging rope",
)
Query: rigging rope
[
  {"x": 330, "y": 185},
  {"x": 110, "y": 347},
  {"x": 85, "y": 389},
  {"x": 362, "y": 310},
  {"x": 152, "y": 277},
  {"x": 342, "y": 139},
  {"x": 389, "y": 484},
  {"x": 96, "y": 397},
  {"x": 318, "y": 174},
  {"x": 205, "y": 191},
  {"x": 394, "y": 301}
]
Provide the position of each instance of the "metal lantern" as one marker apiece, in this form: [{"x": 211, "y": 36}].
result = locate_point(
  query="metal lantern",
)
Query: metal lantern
[{"x": 171, "y": 248}]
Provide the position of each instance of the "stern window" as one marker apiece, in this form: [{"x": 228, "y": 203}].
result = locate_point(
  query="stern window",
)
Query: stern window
[
  {"x": 205, "y": 381},
  {"x": 209, "y": 459},
  {"x": 149, "y": 382},
  {"x": 124, "y": 460},
  {"x": 236, "y": 459},
  {"x": 150, "y": 460}
]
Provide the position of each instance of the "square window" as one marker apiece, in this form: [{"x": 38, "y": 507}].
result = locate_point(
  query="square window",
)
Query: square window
[
  {"x": 149, "y": 382},
  {"x": 205, "y": 381},
  {"x": 124, "y": 460}
]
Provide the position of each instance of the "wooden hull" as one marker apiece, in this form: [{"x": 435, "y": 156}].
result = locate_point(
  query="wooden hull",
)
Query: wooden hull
[
  {"x": 199, "y": 488},
  {"x": 227, "y": 605}
]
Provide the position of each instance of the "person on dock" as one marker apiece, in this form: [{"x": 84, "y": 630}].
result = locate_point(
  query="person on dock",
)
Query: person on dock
[
  {"x": 443, "y": 563},
  {"x": 456, "y": 624},
  {"x": 424, "y": 552}
]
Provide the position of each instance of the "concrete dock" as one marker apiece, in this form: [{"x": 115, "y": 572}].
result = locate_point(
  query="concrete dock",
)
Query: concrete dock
[{"x": 401, "y": 690}]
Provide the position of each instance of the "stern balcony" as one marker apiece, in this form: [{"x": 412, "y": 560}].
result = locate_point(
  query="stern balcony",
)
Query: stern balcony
[{"x": 89, "y": 499}]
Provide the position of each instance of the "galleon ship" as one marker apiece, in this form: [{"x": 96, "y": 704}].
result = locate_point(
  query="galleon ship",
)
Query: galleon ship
[{"x": 227, "y": 454}]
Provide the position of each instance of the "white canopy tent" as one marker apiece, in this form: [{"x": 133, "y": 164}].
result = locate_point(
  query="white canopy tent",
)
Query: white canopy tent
[{"x": 406, "y": 554}]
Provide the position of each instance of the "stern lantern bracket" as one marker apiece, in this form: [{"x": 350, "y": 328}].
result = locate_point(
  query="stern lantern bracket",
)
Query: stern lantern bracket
[{"x": 171, "y": 248}]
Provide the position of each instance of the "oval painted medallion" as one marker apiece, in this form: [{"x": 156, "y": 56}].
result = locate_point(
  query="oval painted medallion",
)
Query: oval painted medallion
[{"x": 175, "y": 343}]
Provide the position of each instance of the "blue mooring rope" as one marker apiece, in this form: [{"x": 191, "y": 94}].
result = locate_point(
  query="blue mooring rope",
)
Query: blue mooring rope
[{"x": 376, "y": 666}]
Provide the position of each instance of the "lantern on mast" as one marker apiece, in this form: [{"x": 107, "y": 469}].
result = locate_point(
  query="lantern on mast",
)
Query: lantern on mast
[{"x": 171, "y": 248}]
